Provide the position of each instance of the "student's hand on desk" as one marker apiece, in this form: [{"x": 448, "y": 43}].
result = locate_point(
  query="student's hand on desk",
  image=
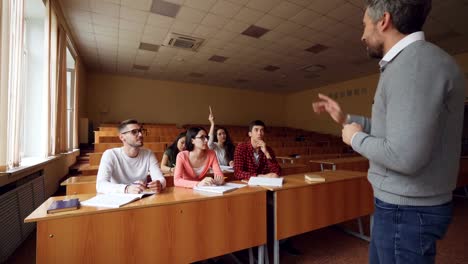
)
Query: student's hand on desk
[
  {"x": 269, "y": 175},
  {"x": 207, "y": 181},
  {"x": 231, "y": 163},
  {"x": 136, "y": 187},
  {"x": 348, "y": 132},
  {"x": 218, "y": 180},
  {"x": 155, "y": 186}
]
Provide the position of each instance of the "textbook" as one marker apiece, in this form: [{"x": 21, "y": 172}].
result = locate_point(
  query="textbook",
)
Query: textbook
[
  {"x": 114, "y": 200},
  {"x": 228, "y": 187},
  {"x": 63, "y": 205},
  {"x": 314, "y": 178},
  {"x": 264, "y": 181}
]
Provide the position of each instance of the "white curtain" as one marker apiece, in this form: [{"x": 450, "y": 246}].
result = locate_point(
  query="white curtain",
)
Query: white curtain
[
  {"x": 4, "y": 68},
  {"x": 15, "y": 84}
]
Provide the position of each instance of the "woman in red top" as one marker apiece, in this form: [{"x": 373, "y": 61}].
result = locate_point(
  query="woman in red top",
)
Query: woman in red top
[{"x": 195, "y": 162}]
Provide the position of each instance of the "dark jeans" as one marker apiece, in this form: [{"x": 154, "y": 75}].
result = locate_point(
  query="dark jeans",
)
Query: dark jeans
[{"x": 407, "y": 234}]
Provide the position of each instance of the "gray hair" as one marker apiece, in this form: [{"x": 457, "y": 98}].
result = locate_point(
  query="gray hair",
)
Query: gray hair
[{"x": 408, "y": 16}]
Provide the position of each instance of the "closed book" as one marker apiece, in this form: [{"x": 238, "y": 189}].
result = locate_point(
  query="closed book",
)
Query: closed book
[
  {"x": 314, "y": 178},
  {"x": 63, "y": 205}
]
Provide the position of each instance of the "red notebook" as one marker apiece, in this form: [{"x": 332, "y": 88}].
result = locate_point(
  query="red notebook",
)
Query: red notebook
[{"x": 63, "y": 205}]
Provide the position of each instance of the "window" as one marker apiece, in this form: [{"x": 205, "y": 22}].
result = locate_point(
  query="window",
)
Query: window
[
  {"x": 70, "y": 99},
  {"x": 33, "y": 134}
]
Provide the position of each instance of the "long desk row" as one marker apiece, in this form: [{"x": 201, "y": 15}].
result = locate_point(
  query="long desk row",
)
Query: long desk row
[{"x": 181, "y": 225}]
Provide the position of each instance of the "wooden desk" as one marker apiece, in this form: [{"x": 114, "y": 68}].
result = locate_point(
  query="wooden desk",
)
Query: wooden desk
[
  {"x": 176, "y": 226},
  {"x": 300, "y": 207},
  {"x": 358, "y": 163}
]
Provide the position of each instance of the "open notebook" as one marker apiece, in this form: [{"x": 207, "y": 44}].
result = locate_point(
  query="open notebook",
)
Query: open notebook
[
  {"x": 114, "y": 200},
  {"x": 228, "y": 187}
]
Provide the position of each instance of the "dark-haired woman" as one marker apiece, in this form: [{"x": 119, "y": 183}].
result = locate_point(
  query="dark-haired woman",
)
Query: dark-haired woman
[
  {"x": 221, "y": 143},
  {"x": 195, "y": 162},
  {"x": 168, "y": 161}
]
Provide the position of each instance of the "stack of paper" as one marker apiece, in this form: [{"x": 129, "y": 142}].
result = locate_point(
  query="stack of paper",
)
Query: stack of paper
[
  {"x": 228, "y": 187},
  {"x": 264, "y": 181},
  {"x": 227, "y": 168}
]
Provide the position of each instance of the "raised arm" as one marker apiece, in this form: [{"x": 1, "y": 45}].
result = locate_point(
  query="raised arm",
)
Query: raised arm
[{"x": 211, "y": 143}]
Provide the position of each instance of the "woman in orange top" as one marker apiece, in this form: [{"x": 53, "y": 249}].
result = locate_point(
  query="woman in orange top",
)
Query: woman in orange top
[{"x": 195, "y": 162}]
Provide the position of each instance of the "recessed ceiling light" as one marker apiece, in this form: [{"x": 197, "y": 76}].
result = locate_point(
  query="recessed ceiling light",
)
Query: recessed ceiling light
[
  {"x": 317, "y": 48},
  {"x": 218, "y": 58},
  {"x": 164, "y": 8},
  {"x": 149, "y": 47},
  {"x": 255, "y": 31},
  {"x": 271, "y": 68}
]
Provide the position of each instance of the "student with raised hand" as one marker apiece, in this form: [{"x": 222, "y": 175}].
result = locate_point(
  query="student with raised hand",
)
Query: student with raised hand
[
  {"x": 168, "y": 161},
  {"x": 124, "y": 169},
  {"x": 195, "y": 162},
  {"x": 221, "y": 143},
  {"x": 254, "y": 157}
]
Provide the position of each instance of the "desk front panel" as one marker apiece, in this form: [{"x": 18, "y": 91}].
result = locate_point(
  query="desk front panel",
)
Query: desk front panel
[
  {"x": 175, "y": 233},
  {"x": 317, "y": 205}
]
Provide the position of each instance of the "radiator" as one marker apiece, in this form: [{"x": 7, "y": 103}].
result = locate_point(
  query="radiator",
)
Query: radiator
[{"x": 17, "y": 201}]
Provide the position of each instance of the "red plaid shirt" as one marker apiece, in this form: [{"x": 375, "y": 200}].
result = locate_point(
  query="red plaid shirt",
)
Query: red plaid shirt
[{"x": 245, "y": 165}]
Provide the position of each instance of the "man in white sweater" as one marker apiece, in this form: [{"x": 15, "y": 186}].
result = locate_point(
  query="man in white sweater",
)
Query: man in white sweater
[{"x": 124, "y": 169}]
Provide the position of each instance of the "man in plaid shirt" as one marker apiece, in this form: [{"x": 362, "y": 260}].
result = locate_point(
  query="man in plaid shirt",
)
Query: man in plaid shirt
[{"x": 254, "y": 157}]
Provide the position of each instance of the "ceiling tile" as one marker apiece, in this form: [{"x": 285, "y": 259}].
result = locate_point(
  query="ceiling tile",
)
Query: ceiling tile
[
  {"x": 263, "y": 5},
  {"x": 343, "y": 11},
  {"x": 269, "y": 21},
  {"x": 248, "y": 15},
  {"x": 143, "y": 5},
  {"x": 204, "y": 31},
  {"x": 103, "y": 20},
  {"x": 183, "y": 27},
  {"x": 160, "y": 21},
  {"x": 305, "y": 16},
  {"x": 288, "y": 27},
  {"x": 191, "y": 15},
  {"x": 236, "y": 26},
  {"x": 225, "y": 35},
  {"x": 204, "y": 5},
  {"x": 286, "y": 10},
  {"x": 215, "y": 21},
  {"x": 324, "y": 7},
  {"x": 321, "y": 23},
  {"x": 108, "y": 9},
  {"x": 225, "y": 8},
  {"x": 135, "y": 15}
]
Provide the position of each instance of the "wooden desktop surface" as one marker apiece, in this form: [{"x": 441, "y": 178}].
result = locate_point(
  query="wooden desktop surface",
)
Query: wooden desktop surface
[
  {"x": 176, "y": 226},
  {"x": 301, "y": 206}
]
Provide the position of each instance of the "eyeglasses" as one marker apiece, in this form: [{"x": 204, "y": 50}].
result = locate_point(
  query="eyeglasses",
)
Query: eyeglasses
[
  {"x": 135, "y": 131},
  {"x": 204, "y": 137}
]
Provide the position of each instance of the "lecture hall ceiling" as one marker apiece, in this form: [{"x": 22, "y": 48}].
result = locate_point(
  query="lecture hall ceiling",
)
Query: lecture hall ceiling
[{"x": 264, "y": 45}]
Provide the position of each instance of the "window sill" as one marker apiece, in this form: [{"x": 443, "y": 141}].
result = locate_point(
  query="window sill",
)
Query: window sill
[{"x": 28, "y": 166}]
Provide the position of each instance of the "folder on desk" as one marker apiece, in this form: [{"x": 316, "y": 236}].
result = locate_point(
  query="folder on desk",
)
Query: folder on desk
[
  {"x": 63, "y": 205},
  {"x": 264, "y": 181}
]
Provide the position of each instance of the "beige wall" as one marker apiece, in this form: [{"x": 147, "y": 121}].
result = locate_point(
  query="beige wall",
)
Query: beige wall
[
  {"x": 113, "y": 98},
  {"x": 299, "y": 112}
]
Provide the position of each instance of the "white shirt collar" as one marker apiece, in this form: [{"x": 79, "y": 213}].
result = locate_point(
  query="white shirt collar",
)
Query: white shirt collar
[{"x": 399, "y": 46}]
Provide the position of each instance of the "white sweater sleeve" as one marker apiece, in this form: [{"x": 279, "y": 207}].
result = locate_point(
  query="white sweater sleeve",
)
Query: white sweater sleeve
[
  {"x": 105, "y": 173},
  {"x": 155, "y": 171}
]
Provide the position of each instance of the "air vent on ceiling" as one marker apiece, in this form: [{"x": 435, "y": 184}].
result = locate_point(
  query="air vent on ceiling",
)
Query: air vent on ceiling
[{"x": 183, "y": 42}]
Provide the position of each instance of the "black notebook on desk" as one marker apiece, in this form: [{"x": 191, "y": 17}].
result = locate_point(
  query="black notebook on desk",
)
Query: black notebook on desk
[{"x": 63, "y": 205}]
